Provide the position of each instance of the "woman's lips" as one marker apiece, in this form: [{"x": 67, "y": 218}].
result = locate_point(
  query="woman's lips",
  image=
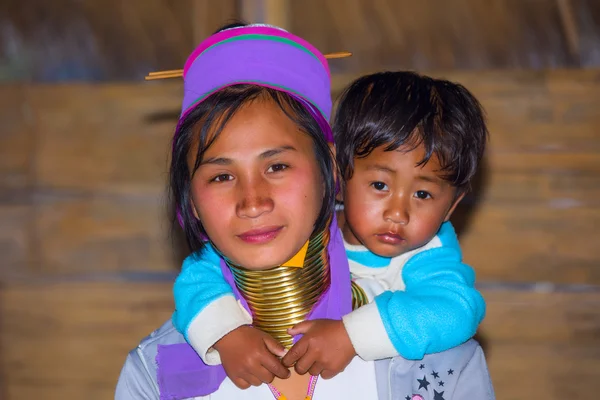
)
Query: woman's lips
[
  {"x": 390, "y": 238},
  {"x": 260, "y": 235}
]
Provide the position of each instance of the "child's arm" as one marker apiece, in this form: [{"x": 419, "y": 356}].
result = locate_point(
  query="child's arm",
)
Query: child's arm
[
  {"x": 202, "y": 298},
  {"x": 324, "y": 349},
  {"x": 211, "y": 320},
  {"x": 439, "y": 309}
]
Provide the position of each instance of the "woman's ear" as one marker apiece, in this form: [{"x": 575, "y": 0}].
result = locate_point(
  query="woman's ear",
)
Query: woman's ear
[
  {"x": 334, "y": 160},
  {"x": 336, "y": 174},
  {"x": 194, "y": 211},
  {"x": 339, "y": 194}
]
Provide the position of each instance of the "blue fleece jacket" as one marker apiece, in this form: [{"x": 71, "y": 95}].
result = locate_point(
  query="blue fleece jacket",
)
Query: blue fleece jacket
[{"x": 431, "y": 304}]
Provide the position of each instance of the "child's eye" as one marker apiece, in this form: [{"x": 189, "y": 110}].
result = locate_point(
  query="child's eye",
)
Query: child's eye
[
  {"x": 379, "y": 186},
  {"x": 277, "y": 168},
  {"x": 423, "y": 195},
  {"x": 222, "y": 178}
]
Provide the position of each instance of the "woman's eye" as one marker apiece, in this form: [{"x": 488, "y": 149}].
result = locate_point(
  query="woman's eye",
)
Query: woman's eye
[
  {"x": 277, "y": 168},
  {"x": 222, "y": 178},
  {"x": 379, "y": 186},
  {"x": 423, "y": 195}
]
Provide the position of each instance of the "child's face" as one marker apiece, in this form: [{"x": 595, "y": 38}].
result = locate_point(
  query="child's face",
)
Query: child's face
[
  {"x": 391, "y": 206},
  {"x": 258, "y": 191}
]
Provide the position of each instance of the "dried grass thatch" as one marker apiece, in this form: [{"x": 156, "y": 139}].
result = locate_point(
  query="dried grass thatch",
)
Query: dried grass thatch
[
  {"x": 122, "y": 40},
  {"x": 454, "y": 34}
]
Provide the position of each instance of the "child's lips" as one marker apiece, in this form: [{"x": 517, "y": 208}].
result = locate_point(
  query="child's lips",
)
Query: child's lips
[{"x": 390, "y": 238}]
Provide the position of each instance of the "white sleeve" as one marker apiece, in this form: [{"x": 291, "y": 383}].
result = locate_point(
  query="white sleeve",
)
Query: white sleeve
[
  {"x": 367, "y": 333},
  {"x": 209, "y": 326},
  {"x": 365, "y": 327}
]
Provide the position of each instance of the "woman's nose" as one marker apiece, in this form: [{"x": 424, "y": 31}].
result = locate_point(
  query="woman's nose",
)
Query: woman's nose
[{"x": 254, "y": 199}]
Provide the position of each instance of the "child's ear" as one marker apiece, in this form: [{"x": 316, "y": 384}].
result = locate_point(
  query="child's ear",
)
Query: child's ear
[{"x": 457, "y": 200}]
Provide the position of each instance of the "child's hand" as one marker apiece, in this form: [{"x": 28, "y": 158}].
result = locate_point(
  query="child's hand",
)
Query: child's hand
[
  {"x": 325, "y": 349},
  {"x": 250, "y": 357}
]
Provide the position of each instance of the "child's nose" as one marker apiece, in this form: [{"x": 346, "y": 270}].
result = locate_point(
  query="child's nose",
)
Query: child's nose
[{"x": 397, "y": 211}]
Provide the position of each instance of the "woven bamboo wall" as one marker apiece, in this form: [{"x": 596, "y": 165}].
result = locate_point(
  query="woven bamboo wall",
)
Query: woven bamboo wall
[
  {"x": 86, "y": 252},
  {"x": 88, "y": 260}
]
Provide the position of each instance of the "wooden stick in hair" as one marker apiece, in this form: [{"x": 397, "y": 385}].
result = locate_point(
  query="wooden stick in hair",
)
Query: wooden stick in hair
[{"x": 178, "y": 73}]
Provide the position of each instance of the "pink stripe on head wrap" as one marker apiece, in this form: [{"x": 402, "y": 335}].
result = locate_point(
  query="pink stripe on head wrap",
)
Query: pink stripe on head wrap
[
  {"x": 259, "y": 55},
  {"x": 252, "y": 30}
]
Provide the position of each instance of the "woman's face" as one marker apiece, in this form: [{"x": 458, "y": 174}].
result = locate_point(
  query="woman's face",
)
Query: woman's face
[{"x": 258, "y": 190}]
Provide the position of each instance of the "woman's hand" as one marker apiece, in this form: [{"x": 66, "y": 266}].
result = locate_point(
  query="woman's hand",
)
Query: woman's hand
[
  {"x": 325, "y": 349},
  {"x": 251, "y": 357}
]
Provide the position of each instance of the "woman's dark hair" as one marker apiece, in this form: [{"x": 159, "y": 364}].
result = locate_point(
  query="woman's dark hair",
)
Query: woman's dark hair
[
  {"x": 234, "y": 23},
  {"x": 394, "y": 109},
  {"x": 203, "y": 126}
]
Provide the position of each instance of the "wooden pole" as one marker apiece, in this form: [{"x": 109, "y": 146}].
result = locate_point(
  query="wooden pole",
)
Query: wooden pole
[
  {"x": 272, "y": 12},
  {"x": 570, "y": 29},
  {"x": 209, "y": 15}
]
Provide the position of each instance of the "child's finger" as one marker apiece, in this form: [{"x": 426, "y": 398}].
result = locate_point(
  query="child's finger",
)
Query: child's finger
[
  {"x": 274, "y": 366},
  {"x": 294, "y": 354},
  {"x": 241, "y": 383},
  {"x": 304, "y": 363},
  {"x": 316, "y": 369},
  {"x": 252, "y": 380},
  {"x": 274, "y": 347},
  {"x": 263, "y": 374},
  {"x": 300, "y": 328},
  {"x": 328, "y": 374}
]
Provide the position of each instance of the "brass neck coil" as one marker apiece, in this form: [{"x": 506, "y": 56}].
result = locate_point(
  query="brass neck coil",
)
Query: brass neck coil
[{"x": 281, "y": 297}]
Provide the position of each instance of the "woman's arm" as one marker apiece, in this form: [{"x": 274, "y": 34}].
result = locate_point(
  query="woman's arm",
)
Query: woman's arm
[
  {"x": 457, "y": 374},
  {"x": 135, "y": 382},
  {"x": 474, "y": 381}
]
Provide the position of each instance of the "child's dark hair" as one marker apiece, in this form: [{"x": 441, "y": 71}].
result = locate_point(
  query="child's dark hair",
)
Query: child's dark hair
[
  {"x": 404, "y": 108},
  {"x": 203, "y": 126}
]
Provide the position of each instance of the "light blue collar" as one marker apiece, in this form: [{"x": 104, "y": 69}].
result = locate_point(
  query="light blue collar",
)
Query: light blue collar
[{"x": 367, "y": 258}]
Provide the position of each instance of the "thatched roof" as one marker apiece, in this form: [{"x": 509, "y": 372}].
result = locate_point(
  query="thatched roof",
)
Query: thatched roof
[
  {"x": 455, "y": 34},
  {"x": 122, "y": 40}
]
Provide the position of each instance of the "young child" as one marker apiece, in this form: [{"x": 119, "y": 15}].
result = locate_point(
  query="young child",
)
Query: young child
[{"x": 408, "y": 147}]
